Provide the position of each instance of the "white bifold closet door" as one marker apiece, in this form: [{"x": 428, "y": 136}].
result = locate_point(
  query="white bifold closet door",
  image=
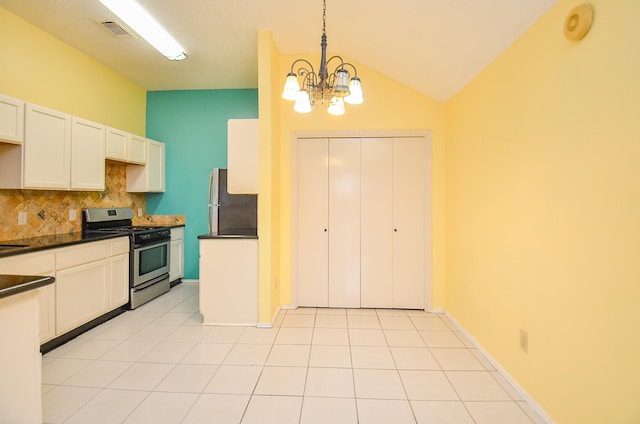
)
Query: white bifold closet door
[
  {"x": 344, "y": 222},
  {"x": 377, "y": 222},
  {"x": 361, "y": 222},
  {"x": 313, "y": 222}
]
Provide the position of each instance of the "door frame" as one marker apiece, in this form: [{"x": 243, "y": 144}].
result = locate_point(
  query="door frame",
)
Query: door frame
[{"x": 428, "y": 196}]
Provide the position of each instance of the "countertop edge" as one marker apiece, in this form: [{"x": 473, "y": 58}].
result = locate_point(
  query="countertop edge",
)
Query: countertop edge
[
  {"x": 35, "y": 283},
  {"x": 225, "y": 237},
  {"x": 30, "y": 249}
]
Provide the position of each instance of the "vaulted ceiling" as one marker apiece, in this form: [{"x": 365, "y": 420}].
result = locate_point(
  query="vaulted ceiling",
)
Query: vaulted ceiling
[{"x": 434, "y": 46}]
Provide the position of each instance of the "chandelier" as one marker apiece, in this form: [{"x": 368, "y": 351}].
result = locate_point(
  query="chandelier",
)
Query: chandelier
[{"x": 322, "y": 88}]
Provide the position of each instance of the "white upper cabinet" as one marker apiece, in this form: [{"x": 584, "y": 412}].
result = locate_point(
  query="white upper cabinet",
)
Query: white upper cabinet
[
  {"x": 242, "y": 156},
  {"x": 47, "y": 148},
  {"x": 87, "y": 155},
  {"x": 117, "y": 145},
  {"x": 149, "y": 177},
  {"x": 137, "y": 150},
  {"x": 11, "y": 120},
  {"x": 125, "y": 147}
]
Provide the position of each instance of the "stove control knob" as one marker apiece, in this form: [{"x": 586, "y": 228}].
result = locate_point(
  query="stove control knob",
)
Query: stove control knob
[{"x": 144, "y": 236}]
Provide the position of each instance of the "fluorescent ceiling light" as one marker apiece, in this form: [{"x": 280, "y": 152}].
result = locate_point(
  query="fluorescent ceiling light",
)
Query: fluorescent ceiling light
[{"x": 147, "y": 27}]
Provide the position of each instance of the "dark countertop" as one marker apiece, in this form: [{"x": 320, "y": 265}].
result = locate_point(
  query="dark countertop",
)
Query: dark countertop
[
  {"x": 14, "y": 284},
  {"x": 35, "y": 244},
  {"x": 235, "y": 234}
]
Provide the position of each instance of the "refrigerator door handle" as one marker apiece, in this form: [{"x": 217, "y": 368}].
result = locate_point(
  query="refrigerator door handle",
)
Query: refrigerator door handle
[{"x": 214, "y": 201}]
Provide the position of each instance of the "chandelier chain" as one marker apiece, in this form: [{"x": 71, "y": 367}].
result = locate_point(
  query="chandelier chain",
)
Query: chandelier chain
[{"x": 324, "y": 16}]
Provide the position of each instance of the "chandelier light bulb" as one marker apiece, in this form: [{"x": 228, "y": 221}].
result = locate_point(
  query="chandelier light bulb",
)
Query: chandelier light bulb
[
  {"x": 336, "y": 107},
  {"x": 355, "y": 88},
  {"x": 291, "y": 87},
  {"x": 303, "y": 103}
]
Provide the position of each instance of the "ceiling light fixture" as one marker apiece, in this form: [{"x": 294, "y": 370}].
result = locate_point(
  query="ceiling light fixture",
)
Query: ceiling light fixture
[
  {"x": 147, "y": 27},
  {"x": 334, "y": 89}
]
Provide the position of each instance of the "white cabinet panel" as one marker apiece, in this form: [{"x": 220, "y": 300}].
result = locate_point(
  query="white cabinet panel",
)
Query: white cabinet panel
[
  {"x": 376, "y": 222},
  {"x": 137, "y": 152},
  {"x": 11, "y": 120},
  {"x": 118, "y": 281},
  {"x": 117, "y": 145},
  {"x": 42, "y": 263},
  {"x": 81, "y": 294},
  {"x": 229, "y": 281},
  {"x": 408, "y": 223},
  {"x": 47, "y": 148},
  {"x": 344, "y": 222},
  {"x": 313, "y": 223},
  {"x": 242, "y": 156},
  {"x": 176, "y": 270},
  {"x": 149, "y": 177},
  {"x": 87, "y": 155}
]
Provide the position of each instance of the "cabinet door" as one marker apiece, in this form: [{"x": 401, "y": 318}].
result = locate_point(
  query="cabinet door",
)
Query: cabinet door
[
  {"x": 87, "y": 155},
  {"x": 376, "y": 223},
  {"x": 116, "y": 145},
  {"x": 137, "y": 150},
  {"x": 156, "y": 166},
  {"x": 177, "y": 260},
  {"x": 118, "y": 281},
  {"x": 344, "y": 222},
  {"x": 229, "y": 281},
  {"x": 409, "y": 170},
  {"x": 11, "y": 120},
  {"x": 47, "y": 148},
  {"x": 81, "y": 294},
  {"x": 242, "y": 156},
  {"x": 37, "y": 264},
  {"x": 313, "y": 223}
]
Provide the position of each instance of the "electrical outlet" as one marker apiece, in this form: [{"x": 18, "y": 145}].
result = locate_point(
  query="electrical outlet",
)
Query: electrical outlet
[
  {"x": 139, "y": 212},
  {"x": 524, "y": 341},
  {"x": 22, "y": 218},
  {"x": 276, "y": 282},
  {"x": 72, "y": 215}
]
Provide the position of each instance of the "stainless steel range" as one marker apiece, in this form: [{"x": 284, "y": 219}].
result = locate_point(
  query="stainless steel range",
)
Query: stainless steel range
[{"x": 149, "y": 254}]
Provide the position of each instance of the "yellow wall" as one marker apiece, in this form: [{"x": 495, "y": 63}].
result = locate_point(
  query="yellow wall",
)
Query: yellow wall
[
  {"x": 543, "y": 213},
  {"x": 269, "y": 171},
  {"x": 388, "y": 105},
  {"x": 38, "y": 68}
]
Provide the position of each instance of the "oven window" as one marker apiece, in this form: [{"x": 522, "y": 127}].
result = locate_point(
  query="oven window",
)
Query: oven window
[{"x": 152, "y": 259}]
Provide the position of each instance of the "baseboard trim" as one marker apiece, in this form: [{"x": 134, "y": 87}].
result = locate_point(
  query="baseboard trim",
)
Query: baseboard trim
[
  {"x": 542, "y": 414},
  {"x": 273, "y": 319}
]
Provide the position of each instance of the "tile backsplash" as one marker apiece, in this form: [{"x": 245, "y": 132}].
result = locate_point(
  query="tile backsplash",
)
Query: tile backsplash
[{"x": 48, "y": 210}]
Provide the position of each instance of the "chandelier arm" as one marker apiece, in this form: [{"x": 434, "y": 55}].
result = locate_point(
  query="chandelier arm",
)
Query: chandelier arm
[
  {"x": 355, "y": 71},
  {"x": 341, "y": 66},
  {"x": 302, "y": 68}
]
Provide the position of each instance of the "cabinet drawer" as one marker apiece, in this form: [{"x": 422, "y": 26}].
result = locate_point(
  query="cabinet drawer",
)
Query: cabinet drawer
[
  {"x": 81, "y": 254},
  {"x": 29, "y": 264},
  {"x": 177, "y": 233},
  {"x": 119, "y": 246}
]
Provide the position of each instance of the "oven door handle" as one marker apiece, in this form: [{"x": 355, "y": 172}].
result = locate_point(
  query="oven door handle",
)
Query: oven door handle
[
  {"x": 150, "y": 282},
  {"x": 144, "y": 246}
]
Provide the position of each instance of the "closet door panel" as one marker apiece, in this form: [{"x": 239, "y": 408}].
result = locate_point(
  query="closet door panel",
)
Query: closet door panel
[
  {"x": 344, "y": 222},
  {"x": 313, "y": 225},
  {"x": 376, "y": 222},
  {"x": 408, "y": 222}
]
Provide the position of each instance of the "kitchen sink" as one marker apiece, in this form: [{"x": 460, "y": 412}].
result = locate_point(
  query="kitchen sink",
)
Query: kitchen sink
[{"x": 12, "y": 246}]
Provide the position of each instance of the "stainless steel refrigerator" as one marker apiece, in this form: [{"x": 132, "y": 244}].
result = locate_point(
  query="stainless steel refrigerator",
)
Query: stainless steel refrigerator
[{"x": 230, "y": 214}]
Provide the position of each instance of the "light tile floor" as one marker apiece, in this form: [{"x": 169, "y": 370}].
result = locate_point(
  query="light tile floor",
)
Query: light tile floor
[{"x": 158, "y": 364}]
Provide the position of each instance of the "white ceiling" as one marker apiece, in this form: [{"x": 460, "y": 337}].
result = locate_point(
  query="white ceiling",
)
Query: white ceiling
[{"x": 434, "y": 46}]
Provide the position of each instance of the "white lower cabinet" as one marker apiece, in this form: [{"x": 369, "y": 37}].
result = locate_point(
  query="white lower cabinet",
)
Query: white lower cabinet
[
  {"x": 118, "y": 272},
  {"x": 81, "y": 295},
  {"x": 91, "y": 280},
  {"x": 176, "y": 270},
  {"x": 229, "y": 281},
  {"x": 361, "y": 222},
  {"x": 42, "y": 263}
]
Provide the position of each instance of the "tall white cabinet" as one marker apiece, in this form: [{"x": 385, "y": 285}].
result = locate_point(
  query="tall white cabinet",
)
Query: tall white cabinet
[{"x": 361, "y": 222}]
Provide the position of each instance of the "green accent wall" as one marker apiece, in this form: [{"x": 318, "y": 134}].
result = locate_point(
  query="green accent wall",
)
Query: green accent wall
[{"x": 193, "y": 126}]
